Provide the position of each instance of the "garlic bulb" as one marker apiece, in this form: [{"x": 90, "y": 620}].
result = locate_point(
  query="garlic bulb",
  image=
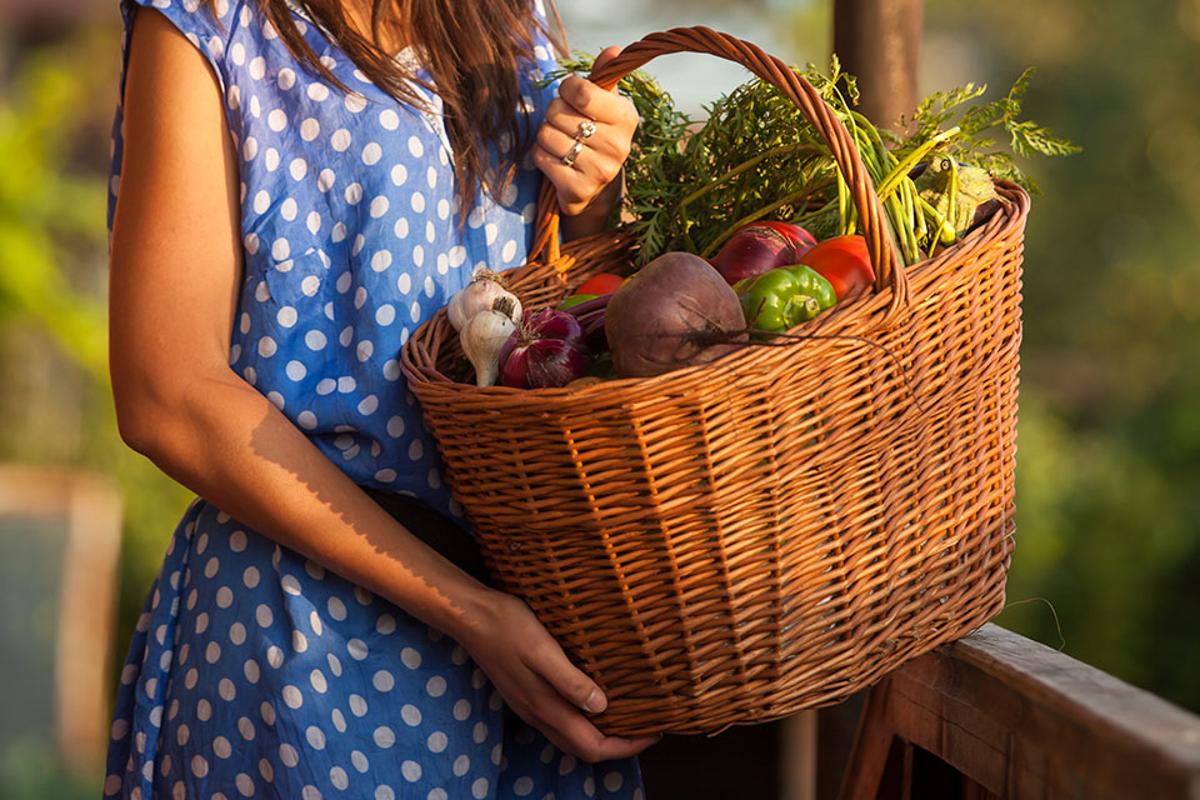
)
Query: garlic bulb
[
  {"x": 480, "y": 295},
  {"x": 483, "y": 337}
]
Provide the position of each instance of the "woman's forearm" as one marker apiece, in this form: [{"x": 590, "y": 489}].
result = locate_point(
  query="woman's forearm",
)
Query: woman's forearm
[{"x": 233, "y": 447}]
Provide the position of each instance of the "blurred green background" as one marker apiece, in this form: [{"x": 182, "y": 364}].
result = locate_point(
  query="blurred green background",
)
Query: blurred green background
[{"x": 1108, "y": 498}]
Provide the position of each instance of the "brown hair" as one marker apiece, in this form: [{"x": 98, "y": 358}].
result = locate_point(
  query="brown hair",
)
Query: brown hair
[{"x": 474, "y": 51}]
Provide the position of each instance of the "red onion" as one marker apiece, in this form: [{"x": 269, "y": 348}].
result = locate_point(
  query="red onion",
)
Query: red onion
[
  {"x": 591, "y": 319},
  {"x": 546, "y": 351},
  {"x": 761, "y": 246}
]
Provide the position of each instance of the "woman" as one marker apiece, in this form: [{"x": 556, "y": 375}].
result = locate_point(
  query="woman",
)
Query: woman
[{"x": 297, "y": 188}]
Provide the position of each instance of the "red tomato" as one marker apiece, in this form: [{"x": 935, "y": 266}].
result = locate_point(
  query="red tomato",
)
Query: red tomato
[
  {"x": 844, "y": 262},
  {"x": 603, "y": 283}
]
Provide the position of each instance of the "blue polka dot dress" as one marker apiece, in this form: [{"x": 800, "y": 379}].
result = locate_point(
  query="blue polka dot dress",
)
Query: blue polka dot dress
[{"x": 254, "y": 672}]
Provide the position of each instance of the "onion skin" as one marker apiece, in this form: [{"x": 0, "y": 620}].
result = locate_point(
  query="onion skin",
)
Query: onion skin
[
  {"x": 547, "y": 351},
  {"x": 762, "y": 246},
  {"x": 675, "y": 312}
]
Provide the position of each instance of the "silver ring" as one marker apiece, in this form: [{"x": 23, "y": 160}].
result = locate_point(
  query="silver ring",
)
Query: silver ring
[
  {"x": 587, "y": 129},
  {"x": 572, "y": 154}
]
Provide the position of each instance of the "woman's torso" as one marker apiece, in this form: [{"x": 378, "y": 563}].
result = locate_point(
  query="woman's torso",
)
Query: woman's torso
[{"x": 349, "y": 220}]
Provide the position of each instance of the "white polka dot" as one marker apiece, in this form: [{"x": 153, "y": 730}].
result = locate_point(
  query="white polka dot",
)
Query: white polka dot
[
  {"x": 296, "y": 370},
  {"x": 266, "y": 347},
  {"x": 399, "y": 174},
  {"x": 339, "y": 779},
  {"x": 440, "y": 794},
  {"x": 414, "y": 312},
  {"x": 288, "y": 755},
  {"x": 385, "y": 475},
  {"x": 379, "y": 207},
  {"x": 340, "y": 140},
  {"x": 286, "y": 79},
  {"x": 272, "y": 160},
  {"x": 292, "y": 697},
  {"x": 288, "y": 209},
  {"x": 251, "y": 671},
  {"x": 222, "y": 747},
  {"x": 307, "y": 420},
  {"x": 383, "y": 681},
  {"x": 418, "y": 202},
  {"x": 368, "y": 404},
  {"x": 391, "y": 367},
  {"x": 359, "y": 760},
  {"x": 353, "y": 193},
  {"x": 410, "y": 658},
  {"x": 357, "y": 649},
  {"x": 298, "y": 168},
  {"x": 274, "y": 657},
  {"x": 268, "y": 712},
  {"x": 509, "y": 251},
  {"x": 430, "y": 234},
  {"x": 479, "y": 732},
  {"x": 280, "y": 249},
  {"x": 384, "y": 793},
  {"x": 430, "y": 287},
  {"x": 237, "y": 634},
  {"x": 310, "y": 792},
  {"x": 277, "y": 120},
  {"x": 317, "y": 91},
  {"x": 416, "y": 450},
  {"x": 384, "y": 737},
  {"x": 411, "y": 715},
  {"x": 290, "y": 585},
  {"x": 461, "y": 766},
  {"x": 479, "y": 788},
  {"x": 381, "y": 260},
  {"x": 315, "y": 737},
  {"x": 309, "y": 130},
  {"x": 317, "y": 679},
  {"x": 523, "y": 786},
  {"x": 286, "y": 316},
  {"x": 372, "y": 153},
  {"x": 262, "y": 201},
  {"x": 411, "y": 771},
  {"x": 589, "y": 786},
  {"x": 415, "y": 147},
  {"x": 355, "y": 102},
  {"x": 567, "y": 765},
  {"x": 389, "y": 119},
  {"x": 299, "y": 642},
  {"x": 212, "y": 653},
  {"x": 491, "y": 232},
  {"x": 249, "y": 148},
  {"x": 199, "y": 766}
]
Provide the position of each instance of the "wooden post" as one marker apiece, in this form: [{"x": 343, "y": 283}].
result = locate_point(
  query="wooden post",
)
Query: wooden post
[{"x": 879, "y": 41}]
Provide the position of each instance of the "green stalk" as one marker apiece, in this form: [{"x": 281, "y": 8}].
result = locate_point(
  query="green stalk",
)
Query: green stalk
[
  {"x": 902, "y": 169},
  {"x": 743, "y": 167}
]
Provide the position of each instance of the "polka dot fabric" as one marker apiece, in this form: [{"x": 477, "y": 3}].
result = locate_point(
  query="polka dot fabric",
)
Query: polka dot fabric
[
  {"x": 253, "y": 672},
  {"x": 256, "y": 673}
]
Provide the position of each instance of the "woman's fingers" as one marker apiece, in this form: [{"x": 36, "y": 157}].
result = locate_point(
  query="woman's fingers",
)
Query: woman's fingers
[
  {"x": 595, "y": 164},
  {"x": 550, "y": 662},
  {"x": 570, "y": 123},
  {"x": 595, "y": 103}
]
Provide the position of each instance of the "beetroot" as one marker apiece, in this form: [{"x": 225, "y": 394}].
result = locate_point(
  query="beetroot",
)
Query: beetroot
[
  {"x": 762, "y": 246},
  {"x": 675, "y": 312}
]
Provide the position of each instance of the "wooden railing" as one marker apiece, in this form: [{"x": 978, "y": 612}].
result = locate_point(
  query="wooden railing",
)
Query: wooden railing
[{"x": 999, "y": 716}]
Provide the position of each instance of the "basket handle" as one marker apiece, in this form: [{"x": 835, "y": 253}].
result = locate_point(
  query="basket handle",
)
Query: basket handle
[{"x": 701, "y": 39}]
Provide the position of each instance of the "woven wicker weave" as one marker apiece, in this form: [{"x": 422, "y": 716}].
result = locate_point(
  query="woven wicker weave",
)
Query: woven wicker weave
[{"x": 733, "y": 542}]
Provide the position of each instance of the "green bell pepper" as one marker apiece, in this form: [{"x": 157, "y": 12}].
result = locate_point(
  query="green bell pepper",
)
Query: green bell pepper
[{"x": 780, "y": 299}]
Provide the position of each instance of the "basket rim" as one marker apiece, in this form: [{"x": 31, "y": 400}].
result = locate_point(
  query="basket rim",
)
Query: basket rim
[{"x": 857, "y": 317}]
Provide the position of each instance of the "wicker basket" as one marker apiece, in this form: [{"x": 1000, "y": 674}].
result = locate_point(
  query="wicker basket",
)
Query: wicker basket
[{"x": 733, "y": 542}]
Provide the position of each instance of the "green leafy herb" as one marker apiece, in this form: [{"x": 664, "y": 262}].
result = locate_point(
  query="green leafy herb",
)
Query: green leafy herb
[{"x": 691, "y": 185}]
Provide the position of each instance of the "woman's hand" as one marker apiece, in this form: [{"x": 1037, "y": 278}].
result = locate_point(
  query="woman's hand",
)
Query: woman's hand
[
  {"x": 587, "y": 182},
  {"x": 536, "y": 680}
]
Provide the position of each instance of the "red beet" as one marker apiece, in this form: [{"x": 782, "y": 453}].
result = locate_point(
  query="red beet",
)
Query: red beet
[{"x": 676, "y": 311}]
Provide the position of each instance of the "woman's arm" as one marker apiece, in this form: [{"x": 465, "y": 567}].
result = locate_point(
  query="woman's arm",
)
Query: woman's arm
[{"x": 176, "y": 266}]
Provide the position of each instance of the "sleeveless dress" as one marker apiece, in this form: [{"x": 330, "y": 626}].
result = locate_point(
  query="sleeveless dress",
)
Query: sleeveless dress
[{"x": 254, "y": 672}]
